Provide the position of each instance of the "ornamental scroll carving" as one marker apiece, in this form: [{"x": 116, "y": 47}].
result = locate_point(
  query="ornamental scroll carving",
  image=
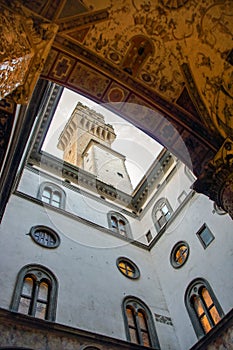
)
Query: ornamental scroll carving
[
  {"x": 217, "y": 180},
  {"x": 25, "y": 43}
]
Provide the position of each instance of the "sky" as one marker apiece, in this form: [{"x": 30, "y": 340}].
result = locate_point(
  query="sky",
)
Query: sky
[{"x": 140, "y": 150}]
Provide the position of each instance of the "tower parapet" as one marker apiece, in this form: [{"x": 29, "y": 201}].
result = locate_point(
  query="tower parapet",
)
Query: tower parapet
[{"x": 86, "y": 142}]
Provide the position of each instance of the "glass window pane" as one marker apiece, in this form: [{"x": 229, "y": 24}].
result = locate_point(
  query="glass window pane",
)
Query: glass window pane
[
  {"x": 130, "y": 317},
  {"x": 198, "y": 305},
  {"x": 46, "y": 195},
  {"x": 181, "y": 254},
  {"x": 130, "y": 270},
  {"x": 55, "y": 204},
  {"x": 215, "y": 315},
  {"x": 164, "y": 209},
  {"x": 122, "y": 267},
  {"x": 45, "y": 199},
  {"x": 205, "y": 324},
  {"x": 56, "y": 199},
  {"x": 145, "y": 339},
  {"x": 162, "y": 221},
  {"x": 121, "y": 224},
  {"x": 56, "y": 196},
  {"x": 40, "y": 310},
  {"x": 206, "y": 236},
  {"x": 133, "y": 336},
  {"x": 27, "y": 286},
  {"x": 113, "y": 222},
  {"x": 24, "y": 306},
  {"x": 142, "y": 321},
  {"x": 207, "y": 298},
  {"x": 43, "y": 291}
]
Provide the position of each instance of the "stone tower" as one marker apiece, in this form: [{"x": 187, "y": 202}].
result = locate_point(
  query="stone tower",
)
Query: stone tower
[{"x": 86, "y": 142}]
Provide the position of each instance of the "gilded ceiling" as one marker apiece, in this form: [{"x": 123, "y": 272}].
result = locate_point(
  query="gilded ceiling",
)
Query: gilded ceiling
[{"x": 165, "y": 65}]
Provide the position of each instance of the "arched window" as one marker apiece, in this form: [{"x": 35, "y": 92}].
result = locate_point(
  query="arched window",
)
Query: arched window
[
  {"x": 119, "y": 224},
  {"x": 203, "y": 307},
  {"x": 161, "y": 213},
  {"x": 35, "y": 293},
  {"x": 139, "y": 323},
  {"x": 52, "y": 194}
]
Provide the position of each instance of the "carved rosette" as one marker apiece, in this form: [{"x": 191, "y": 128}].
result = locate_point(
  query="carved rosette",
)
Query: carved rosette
[
  {"x": 26, "y": 40},
  {"x": 216, "y": 181}
]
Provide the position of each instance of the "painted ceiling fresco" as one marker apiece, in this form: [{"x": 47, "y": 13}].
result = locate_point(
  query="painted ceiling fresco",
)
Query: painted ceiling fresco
[{"x": 165, "y": 65}]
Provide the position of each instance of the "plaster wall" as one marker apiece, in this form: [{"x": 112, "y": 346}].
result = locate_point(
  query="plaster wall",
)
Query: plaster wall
[
  {"x": 213, "y": 263},
  {"x": 91, "y": 288},
  {"x": 78, "y": 201},
  {"x": 174, "y": 189}
]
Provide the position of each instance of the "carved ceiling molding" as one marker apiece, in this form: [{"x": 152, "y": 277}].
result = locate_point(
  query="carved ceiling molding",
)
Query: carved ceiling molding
[
  {"x": 25, "y": 49},
  {"x": 197, "y": 99},
  {"x": 81, "y": 21}
]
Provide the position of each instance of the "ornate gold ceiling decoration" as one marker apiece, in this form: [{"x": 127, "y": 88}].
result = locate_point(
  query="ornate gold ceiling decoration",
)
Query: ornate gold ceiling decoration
[{"x": 173, "y": 4}]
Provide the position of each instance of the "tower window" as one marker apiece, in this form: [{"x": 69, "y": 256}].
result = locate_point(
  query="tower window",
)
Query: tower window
[
  {"x": 128, "y": 268},
  {"x": 52, "y": 194},
  {"x": 161, "y": 213},
  {"x": 36, "y": 293},
  {"x": 205, "y": 236},
  {"x": 139, "y": 324},
  {"x": 203, "y": 307},
  {"x": 119, "y": 224}
]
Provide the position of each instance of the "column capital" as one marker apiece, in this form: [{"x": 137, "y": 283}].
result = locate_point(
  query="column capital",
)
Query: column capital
[{"x": 216, "y": 181}]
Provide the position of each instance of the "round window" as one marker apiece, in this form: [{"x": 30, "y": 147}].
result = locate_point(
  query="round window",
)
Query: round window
[
  {"x": 179, "y": 254},
  {"x": 45, "y": 236},
  {"x": 128, "y": 268}
]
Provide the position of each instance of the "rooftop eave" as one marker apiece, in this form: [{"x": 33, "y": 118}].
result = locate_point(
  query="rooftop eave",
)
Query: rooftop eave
[{"x": 80, "y": 177}]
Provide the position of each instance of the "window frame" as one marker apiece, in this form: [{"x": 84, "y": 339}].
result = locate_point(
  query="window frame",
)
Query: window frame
[
  {"x": 48, "y": 230},
  {"x": 53, "y": 188},
  {"x": 194, "y": 289},
  {"x": 39, "y": 273},
  {"x": 175, "y": 249},
  {"x": 158, "y": 208},
  {"x": 203, "y": 243},
  {"x": 119, "y": 218},
  {"x": 139, "y": 306},
  {"x": 136, "y": 272}
]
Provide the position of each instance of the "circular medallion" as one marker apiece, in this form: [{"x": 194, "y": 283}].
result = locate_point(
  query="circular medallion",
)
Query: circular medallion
[{"x": 116, "y": 95}]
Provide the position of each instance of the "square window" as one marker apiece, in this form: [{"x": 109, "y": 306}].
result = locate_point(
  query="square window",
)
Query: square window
[
  {"x": 149, "y": 236},
  {"x": 205, "y": 235}
]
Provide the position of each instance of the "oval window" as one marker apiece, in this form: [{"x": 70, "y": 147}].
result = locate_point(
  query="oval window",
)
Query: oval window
[
  {"x": 128, "y": 268},
  {"x": 45, "y": 236},
  {"x": 179, "y": 254}
]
